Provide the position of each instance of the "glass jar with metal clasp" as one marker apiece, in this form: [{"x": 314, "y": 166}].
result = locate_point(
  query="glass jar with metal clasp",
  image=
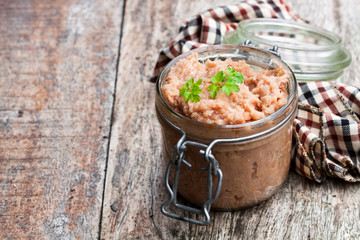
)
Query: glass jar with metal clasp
[{"x": 226, "y": 167}]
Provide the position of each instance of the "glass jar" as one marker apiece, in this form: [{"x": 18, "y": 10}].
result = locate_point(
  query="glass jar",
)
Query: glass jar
[
  {"x": 226, "y": 166},
  {"x": 313, "y": 53}
]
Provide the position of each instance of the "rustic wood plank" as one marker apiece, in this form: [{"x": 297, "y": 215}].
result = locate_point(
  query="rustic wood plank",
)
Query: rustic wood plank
[
  {"x": 57, "y": 73},
  {"x": 134, "y": 185}
]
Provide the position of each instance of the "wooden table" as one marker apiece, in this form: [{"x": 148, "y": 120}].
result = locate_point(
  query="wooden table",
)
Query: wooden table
[{"x": 80, "y": 145}]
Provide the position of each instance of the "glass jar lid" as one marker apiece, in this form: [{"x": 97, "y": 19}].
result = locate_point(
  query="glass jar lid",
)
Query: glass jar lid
[{"x": 313, "y": 53}]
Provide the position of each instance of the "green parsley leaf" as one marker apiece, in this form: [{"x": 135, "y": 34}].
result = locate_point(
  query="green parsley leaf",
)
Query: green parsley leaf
[
  {"x": 231, "y": 77},
  {"x": 230, "y": 70},
  {"x": 238, "y": 77},
  {"x": 220, "y": 77},
  {"x": 226, "y": 90},
  {"x": 191, "y": 90},
  {"x": 214, "y": 92},
  {"x": 215, "y": 86}
]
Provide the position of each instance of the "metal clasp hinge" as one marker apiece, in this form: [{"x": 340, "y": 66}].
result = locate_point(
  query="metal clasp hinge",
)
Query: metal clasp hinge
[{"x": 213, "y": 170}]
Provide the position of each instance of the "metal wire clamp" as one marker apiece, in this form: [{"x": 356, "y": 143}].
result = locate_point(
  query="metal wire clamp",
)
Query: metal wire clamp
[
  {"x": 213, "y": 170},
  {"x": 178, "y": 158}
]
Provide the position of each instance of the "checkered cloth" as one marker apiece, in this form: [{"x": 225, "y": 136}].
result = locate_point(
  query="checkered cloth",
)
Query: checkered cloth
[
  {"x": 326, "y": 130},
  {"x": 208, "y": 28}
]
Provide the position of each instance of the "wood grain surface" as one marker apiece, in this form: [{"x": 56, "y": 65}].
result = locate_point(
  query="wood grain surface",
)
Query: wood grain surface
[
  {"x": 80, "y": 145},
  {"x": 134, "y": 186},
  {"x": 57, "y": 73}
]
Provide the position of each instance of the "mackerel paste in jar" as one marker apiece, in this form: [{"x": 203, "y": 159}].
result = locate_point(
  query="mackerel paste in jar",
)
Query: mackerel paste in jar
[{"x": 259, "y": 113}]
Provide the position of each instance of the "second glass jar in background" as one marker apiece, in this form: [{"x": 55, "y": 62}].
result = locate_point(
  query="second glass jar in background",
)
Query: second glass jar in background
[{"x": 313, "y": 53}]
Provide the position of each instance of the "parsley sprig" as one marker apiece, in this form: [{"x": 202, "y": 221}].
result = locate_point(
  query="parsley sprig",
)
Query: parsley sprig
[
  {"x": 191, "y": 90},
  {"x": 226, "y": 82}
]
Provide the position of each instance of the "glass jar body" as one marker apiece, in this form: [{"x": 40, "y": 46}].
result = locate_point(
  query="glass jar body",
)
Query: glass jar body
[
  {"x": 253, "y": 167},
  {"x": 252, "y": 170}
]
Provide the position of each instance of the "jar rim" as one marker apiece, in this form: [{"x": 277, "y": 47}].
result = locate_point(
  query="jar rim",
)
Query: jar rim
[
  {"x": 213, "y": 48},
  {"x": 311, "y": 31}
]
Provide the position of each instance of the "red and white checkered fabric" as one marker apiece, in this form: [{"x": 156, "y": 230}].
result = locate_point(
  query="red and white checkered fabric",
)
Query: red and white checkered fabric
[
  {"x": 208, "y": 27},
  {"x": 327, "y": 131},
  {"x": 327, "y": 128}
]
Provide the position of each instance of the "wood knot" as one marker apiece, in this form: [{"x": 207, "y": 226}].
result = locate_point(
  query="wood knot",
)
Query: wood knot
[{"x": 114, "y": 207}]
